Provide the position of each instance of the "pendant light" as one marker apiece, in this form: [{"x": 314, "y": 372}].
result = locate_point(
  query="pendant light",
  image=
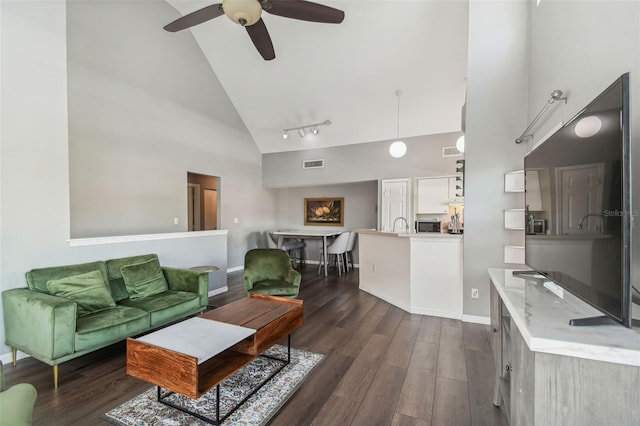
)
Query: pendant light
[{"x": 398, "y": 148}]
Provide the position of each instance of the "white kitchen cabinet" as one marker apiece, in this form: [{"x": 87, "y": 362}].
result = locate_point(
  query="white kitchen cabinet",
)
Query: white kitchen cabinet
[{"x": 433, "y": 195}]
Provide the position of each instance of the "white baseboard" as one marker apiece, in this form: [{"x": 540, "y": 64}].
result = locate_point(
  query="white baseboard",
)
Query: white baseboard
[
  {"x": 217, "y": 291},
  {"x": 8, "y": 360},
  {"x": 235, "y": 269},
  {"x": 476, "y": 319}
]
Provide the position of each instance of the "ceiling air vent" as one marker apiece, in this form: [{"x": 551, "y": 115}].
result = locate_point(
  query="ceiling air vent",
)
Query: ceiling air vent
[
  {"x": 313, "y": 164},
  {"x": 450, "y": 151}
]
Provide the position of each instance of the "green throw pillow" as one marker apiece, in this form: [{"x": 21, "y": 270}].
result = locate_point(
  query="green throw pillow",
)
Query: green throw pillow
[
  {"x": 88, "y": 290},
  {"x": 144, "y": 279}
]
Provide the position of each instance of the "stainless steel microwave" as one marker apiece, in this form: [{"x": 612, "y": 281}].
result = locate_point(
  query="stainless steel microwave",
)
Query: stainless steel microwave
[{"x": 428, "y": 226}]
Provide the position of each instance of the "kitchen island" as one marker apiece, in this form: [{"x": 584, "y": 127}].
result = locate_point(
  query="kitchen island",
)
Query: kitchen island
[{"x": 420, "y": 273}]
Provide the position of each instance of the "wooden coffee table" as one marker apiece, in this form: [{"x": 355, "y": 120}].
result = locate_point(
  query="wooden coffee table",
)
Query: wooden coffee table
[{"x": 193, "y": 356}]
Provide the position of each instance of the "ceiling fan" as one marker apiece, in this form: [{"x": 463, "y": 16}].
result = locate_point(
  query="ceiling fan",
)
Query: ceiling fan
[{"x": 248, "y": 14}]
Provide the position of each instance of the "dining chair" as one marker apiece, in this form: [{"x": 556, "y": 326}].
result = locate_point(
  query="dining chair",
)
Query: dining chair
[
  {"x": 294, "y": 248},
  {"x": 337, "y": 248},
  {"x": 348, "y": 255}
]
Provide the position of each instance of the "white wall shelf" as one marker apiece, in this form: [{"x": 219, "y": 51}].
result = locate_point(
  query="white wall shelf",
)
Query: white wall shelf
[
  {"x": 514, "y": 255},
  {"x": 514, "y": 181},
  {"x": 514, "y": 219}
]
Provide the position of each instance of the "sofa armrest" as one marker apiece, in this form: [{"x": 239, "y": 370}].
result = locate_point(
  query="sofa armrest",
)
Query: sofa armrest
[
  {"x": 39, "y": 324},
  {"x": 188, "y": 280}
]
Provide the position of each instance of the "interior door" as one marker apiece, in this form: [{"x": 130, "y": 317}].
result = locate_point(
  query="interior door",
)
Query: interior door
[
  {"x": 395, "y": 203},
  {"x": 193, "y": 207},
  {"x": 210, "y": 209},
  {"x": 580, "y": 199}
]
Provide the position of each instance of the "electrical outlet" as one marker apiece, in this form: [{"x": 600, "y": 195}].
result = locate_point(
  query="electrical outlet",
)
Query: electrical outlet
[
  {"x": 235, "y": 220},
  {"x": 175, "y": 220},
  {"x": 474, "y": 293}
]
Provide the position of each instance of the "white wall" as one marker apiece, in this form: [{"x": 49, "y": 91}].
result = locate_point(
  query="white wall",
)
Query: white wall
[
  {"x": 34, "y": 162},
  {"x": 145, "y": 108},
  {"x": 360, "y": 204},
  {"x": 581, "y": 48},
  {"x": 496, "y": 115},
  {"x": 360, "y": 162}
]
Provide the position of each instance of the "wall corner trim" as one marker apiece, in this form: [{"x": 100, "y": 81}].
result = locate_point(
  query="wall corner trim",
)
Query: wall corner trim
[
  {"x": 476, "y": 319},
  {"x": 80, "y": 242}
]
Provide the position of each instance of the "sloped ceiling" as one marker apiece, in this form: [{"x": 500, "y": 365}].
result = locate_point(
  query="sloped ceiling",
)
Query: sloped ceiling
[{"x": 347, "y": 73}]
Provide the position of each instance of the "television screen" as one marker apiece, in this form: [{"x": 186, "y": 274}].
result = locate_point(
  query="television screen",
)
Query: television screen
[{"x": 578, "y": 206}]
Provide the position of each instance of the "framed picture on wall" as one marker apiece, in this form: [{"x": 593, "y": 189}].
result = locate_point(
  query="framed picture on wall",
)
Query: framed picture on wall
[{"x": 324, "y": 211}]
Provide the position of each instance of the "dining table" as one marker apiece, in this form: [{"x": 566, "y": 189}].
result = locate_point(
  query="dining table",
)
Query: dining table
[{"x": 302, "y": 235}]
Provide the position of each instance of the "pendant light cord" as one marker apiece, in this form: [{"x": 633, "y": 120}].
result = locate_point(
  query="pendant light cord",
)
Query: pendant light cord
[{"x": 398, "y": 93}]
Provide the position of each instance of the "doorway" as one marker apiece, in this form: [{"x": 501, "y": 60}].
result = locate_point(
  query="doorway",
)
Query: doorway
[{"x": 202, "y": 202}]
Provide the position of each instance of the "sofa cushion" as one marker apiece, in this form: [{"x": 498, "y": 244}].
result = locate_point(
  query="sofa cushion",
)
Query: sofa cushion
[
  {"x": 37, "y": 278},
  {"x": 274, "y": 288},
  {"x": 110, "y": 326},
  {"x": 144, "y": 279},
  {"x": 118, "y": 289},
  {"x": 168, "y": 306},
  {"x": 88, "y": 290}
]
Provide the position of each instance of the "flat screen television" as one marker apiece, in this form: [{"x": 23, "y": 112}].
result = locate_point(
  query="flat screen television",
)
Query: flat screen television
[{"x": 578, "y": 206}]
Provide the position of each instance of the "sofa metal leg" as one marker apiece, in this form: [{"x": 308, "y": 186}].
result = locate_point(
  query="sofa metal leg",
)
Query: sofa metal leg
[
  {"x": 14, "y": 356},
  {"x": 55, "y": 376}
]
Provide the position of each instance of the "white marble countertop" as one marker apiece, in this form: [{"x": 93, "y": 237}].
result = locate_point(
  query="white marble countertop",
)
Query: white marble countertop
[
  {"x": 543, "y": 320},
  {"x": 409, "y": 234}
]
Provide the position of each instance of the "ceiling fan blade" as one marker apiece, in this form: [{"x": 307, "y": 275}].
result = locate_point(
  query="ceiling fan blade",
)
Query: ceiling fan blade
[
  {"x": 194, "y": 18},
  {"x": 304, "y": 10},
  {"x": 261, "y": 39}
]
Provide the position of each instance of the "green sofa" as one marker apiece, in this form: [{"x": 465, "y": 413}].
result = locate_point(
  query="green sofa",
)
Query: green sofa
[
  {"x": 68, "y": 311},
  {"x": 16, "y": 403}
]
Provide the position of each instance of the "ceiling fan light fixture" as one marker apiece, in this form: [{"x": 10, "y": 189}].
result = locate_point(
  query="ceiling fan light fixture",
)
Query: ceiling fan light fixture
[
  {"x": 285, "y": 135},
  {"x": 302, "y": 132},
  {"x": 314, "y": 130},
  {"x": 242, "y": 12}
]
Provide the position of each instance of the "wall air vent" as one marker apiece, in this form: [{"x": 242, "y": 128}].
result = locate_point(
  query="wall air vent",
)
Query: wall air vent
[
  {"x": 313, "y": 164},
  {"x": 450, "y": 151}
]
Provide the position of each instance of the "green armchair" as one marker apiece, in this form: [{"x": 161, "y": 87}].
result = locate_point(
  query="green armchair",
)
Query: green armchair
[
  {"x": 269, "y": 271},
  {"x": 16, "y": 403}
]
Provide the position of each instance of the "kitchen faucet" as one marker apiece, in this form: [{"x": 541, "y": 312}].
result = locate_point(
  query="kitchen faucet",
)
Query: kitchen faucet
[
  {"x": 581, "y": 226},
  {"x": 405, "y": 221}
]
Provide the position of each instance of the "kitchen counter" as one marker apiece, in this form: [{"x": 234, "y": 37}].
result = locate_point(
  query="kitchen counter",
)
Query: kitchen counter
[
  {"x": 420, "y": 273},
  {"x": 409, "y": 234}
]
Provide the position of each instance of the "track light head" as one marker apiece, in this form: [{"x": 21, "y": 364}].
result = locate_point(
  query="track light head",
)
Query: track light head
[{"x": 302, "y": 130}]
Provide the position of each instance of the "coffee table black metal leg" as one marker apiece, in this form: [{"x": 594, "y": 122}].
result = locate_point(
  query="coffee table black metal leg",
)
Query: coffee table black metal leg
[
  {"x": 162, "y": 398},
  {"x": 217, "y": 404}
]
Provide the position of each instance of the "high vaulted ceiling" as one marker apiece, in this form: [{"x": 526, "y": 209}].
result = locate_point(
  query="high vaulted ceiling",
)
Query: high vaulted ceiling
[{"x": 347, "y": 73}]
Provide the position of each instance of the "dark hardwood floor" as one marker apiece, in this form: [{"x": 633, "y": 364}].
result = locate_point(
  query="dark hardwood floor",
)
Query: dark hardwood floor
[{"x": 383, "y": 366}]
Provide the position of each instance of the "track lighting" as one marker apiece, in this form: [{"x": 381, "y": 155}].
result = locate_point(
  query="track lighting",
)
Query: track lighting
[{"x": 302, "y": 130}]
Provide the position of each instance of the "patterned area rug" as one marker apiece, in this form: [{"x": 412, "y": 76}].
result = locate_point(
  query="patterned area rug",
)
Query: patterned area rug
[{"x": 145, "y": 410}]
